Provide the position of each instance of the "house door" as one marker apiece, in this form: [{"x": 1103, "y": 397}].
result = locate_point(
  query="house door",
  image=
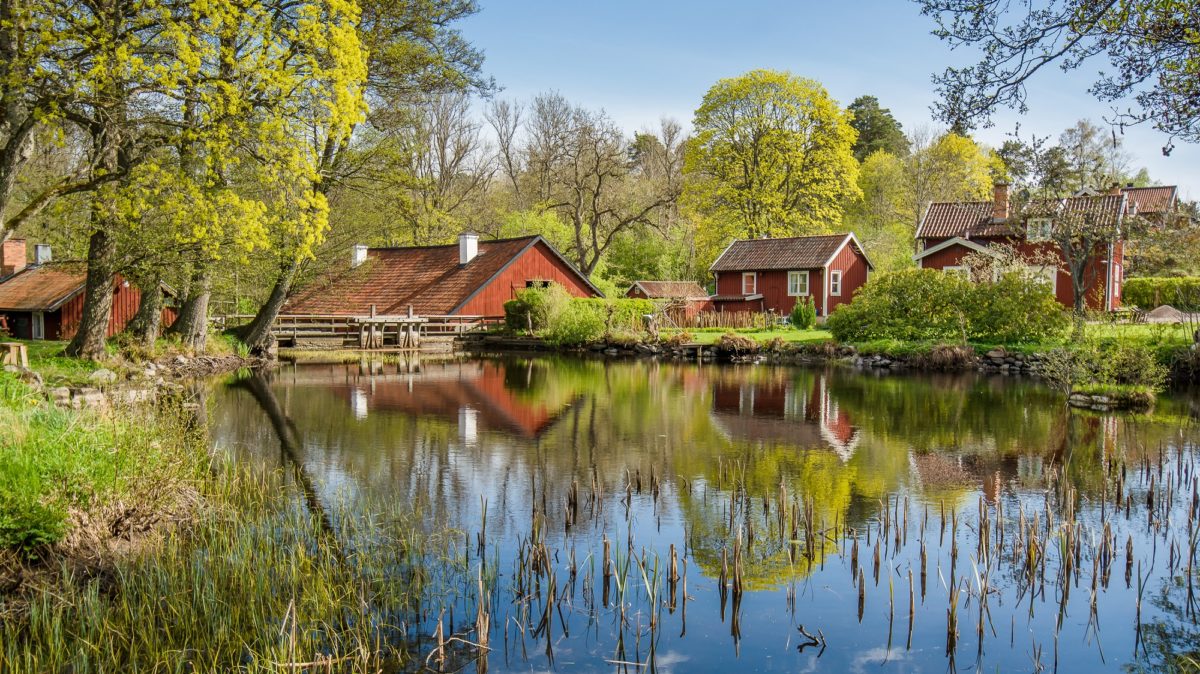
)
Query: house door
[{"x": 39, "y": 325}]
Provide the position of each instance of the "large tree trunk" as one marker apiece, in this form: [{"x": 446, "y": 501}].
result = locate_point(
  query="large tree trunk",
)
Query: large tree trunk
[
  {"x": 147, "y": 322},
  {"x": 257, "y": 335},
  {"x": 97, "y": 298},
  {"x": 191, "y": 326}
]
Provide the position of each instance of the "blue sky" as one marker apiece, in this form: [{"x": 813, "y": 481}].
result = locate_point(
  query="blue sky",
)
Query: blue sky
[{"x": 641, "y": 61}]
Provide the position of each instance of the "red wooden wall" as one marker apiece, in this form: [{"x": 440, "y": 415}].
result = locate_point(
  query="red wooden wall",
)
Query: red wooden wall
[
  {"x": 854, "y": 274},
  {"x": 537, "y": 263},
  {"x": 63, "y": 324}
]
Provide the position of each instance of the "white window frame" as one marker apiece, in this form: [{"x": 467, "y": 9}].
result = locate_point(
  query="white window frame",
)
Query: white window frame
[
  {"x": 1044, "y": 272},
  {"x": 1038, "y": 229},
  {"x": 37, "y": 327},
  {"x": 753, "y": 282},
  {"x": 835, "y": 282},
  {"x": 794, "y": 283}
]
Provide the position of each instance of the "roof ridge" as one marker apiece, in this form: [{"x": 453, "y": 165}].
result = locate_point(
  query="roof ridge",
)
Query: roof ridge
[{"x": 451, "y": 245}]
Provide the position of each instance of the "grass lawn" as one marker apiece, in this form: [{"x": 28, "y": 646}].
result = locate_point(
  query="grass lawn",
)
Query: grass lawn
[
  {"x": 46, "y": 357},
  {"x": 711, "y": 335}
]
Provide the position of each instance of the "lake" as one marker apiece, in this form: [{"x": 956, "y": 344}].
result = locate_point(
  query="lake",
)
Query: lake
[{"x": 645, "y": 516}]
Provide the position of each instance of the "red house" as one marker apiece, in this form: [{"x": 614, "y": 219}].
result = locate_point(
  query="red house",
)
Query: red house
[
  {"x": 951, "y": 231},
  {"x": 771, "y": 275},
  {"x": 45, "y": 300},
  {"x": 684, "y": 299},
  {"x": 470, "y": 278}
]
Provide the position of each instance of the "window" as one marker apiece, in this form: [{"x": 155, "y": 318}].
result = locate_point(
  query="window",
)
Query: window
[
  {"x": 961, "y": 271},
  {"x": 835, "y": 283},
  {"x": 1038, "y": 229},
  {"x": 797, "y": 283},
  {"x": 749, "y": 283},
  {"x": 39, "y": 325},
  {"x": 537, "y": 283},
  {"x": 1046, "y": 274}
]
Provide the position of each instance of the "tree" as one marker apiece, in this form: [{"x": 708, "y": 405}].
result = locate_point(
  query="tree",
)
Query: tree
[
  {"x": 877, "y": 129},
  {"x": 1151, "y": 49},
  {"x": 946, "y": 167},
  {"x": 880, "y": 217},
  {"x": 413, "y": 50},
  {"x": 771, "y": 156}
]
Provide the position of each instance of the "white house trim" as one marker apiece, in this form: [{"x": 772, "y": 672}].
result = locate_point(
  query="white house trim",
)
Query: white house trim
[
  {"x": 956, "y": 241},
  {"x": 714, "y": 263},
  {"x": 850, "y": 237}
]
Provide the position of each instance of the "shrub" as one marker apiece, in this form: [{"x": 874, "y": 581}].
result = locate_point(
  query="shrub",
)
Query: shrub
[
  {"x": 1149, "y": 292},
  {"x": 621, "y": 314},
  {"x": 804, "y": 314},
  {"x": 533, "y": 308},
  {"x": 931, "y": 305},
  {"x": 735, "y": 343},
  {"x": 1095, "y": 364},
  {"x": 575, "y": 325}
]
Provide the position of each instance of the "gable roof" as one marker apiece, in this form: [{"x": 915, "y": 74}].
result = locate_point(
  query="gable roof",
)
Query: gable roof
[
  {"x": 968, "y": 219},
  {"x": 798, "y": 252},
  {"x": 427, "y": 277},
  {"x": 956, "y": 241},
  {"x": 42, "y": 287},
  {"x": 688, "y": 290}
]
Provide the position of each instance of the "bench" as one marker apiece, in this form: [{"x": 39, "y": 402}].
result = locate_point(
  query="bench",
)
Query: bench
[{"x": 14, "y": 353}]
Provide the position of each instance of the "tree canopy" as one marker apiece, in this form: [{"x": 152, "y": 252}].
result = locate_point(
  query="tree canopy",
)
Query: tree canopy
[{"x": 877, "y": 129}]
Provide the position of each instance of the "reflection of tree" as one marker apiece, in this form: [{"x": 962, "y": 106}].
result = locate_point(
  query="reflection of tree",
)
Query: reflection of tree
[{"x": 1172, "y": 642}]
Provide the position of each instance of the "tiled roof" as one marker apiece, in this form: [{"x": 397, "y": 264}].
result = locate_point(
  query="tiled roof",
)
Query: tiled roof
[
  {"x": 427, "y": 277},
  {"x": 974, "y": 218},
  {"x": 1150, "y": 200},
  {"x": 801, "y": 252},
  {"x": 671, "y": 289},
  {"x": 41, "y": 287}
]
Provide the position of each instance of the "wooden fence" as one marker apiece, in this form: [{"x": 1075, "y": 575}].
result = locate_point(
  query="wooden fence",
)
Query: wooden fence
[
  {"x": 291, "y": 329},
  {"x": 733, "y": 320}
]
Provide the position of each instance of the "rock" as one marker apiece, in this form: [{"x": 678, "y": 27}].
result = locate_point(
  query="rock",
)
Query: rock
[
  {"x": 60, "y": 395},
  {"x": 180, "y": 360},
  {"x": 88, "y": 397},
  {"x": 102, "y": 376},
  {"x": 996, "y": 354},
  {"x": 611, "y": 352}
]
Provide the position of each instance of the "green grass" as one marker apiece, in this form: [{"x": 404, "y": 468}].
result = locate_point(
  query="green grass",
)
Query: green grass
[
  {"x": 55, "y": 462},
  {"x": 46, "y": 357}
]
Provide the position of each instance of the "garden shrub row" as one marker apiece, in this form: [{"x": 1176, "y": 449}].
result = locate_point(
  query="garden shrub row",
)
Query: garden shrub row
[
  {"x": 564, "y": 320},
  {"x": 1181, "y": 292},
  {"x": 931, "y": 305}
]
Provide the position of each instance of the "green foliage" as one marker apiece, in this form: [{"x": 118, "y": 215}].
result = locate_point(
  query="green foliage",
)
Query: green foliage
[
  {"x": 1099, "y": 363},
  {"x": 53, "y": 461},
  {"x": 564, "y": 320},
  {"x": 878, "y": 130},
  {"x": 576, "y": 325},
  {"x": 771, "y": 156},
  {"x": 533, "y": 308},
  {"x": 931, "y": 305},
  {"x": 619, "y": 314},
  {"x": 804, "y": 314},
  {"x": 1149, "y": 292}
]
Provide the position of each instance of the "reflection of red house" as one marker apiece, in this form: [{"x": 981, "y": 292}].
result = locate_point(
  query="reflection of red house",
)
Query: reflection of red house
[
  {"x": 778, "y": 412},
  {"x": 762, "y": 275},
  {"x": 949, "y": 232},
  {"x": 475, "y": 395},
  {"x": 470, "y": 278}
]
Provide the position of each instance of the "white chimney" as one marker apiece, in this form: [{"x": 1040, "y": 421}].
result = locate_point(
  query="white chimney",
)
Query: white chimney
[
  {"x": 41, "y": 253},
  {"x": 468, "y": 247},
  {"x": 358, "y": 255}
]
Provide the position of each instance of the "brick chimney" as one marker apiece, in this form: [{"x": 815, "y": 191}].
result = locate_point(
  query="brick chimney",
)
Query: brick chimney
[
  {"x": 12, "y": 257},
  {"x": 1000, "y": 201}
]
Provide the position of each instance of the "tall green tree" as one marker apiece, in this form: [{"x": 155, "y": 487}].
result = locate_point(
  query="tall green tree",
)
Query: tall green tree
[
  {"x": 772, "y": 155},
  {"x": 1151, "y": 49},
  {"x": 877, "y": 129}
]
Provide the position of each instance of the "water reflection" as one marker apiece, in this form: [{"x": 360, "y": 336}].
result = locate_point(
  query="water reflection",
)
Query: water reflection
[{"x": 797, "y": 468}]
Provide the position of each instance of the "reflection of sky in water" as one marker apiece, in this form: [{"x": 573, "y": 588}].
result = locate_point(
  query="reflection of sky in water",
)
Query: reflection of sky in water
[{"x": 514, "y": 434}]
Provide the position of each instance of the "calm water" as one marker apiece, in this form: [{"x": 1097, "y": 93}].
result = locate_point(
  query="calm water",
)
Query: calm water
[{"x": 828, "y": 488}]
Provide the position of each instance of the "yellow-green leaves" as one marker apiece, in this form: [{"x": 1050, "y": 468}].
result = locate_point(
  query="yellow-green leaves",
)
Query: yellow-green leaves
[{"x": 772, "y": 156}]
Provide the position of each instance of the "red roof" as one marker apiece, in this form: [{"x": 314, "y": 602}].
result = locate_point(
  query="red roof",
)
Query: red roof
[
  {"x": 41, "y": 287},
  {"x": 799, "y": 252},
  {"x": 969, "y": 219},
  {"x": 689, "y": 290},
  {"x": 429, "y": 278}
]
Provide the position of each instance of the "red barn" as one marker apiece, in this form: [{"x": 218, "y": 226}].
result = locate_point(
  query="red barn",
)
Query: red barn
[
  {"x": 951, "y": 231},
  {"x": 45, "y": 300},
  {"x": 470, "y": 278},
  {"x": 771, "y": 275}
]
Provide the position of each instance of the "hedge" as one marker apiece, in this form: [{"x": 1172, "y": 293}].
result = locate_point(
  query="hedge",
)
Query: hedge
[{"x": 1181, "y": 292}]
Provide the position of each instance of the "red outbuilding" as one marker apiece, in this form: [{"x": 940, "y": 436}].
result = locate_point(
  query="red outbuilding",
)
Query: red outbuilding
[
  {"x": 771, "y": 275},
  {"x": 470, "y": 278},
  {"x": 950, "y": 231},
  {"x": 45, "y": 300},
  {"x": 682, "y": 300}
]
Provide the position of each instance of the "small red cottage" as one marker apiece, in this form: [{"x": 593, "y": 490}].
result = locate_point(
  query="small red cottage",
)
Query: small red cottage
[
  {"x": 45, "y": 300},
  {"x": 950, "y": 231},
  {"x": 770, "y": 275},
  {"x": 470, "y": 278},
  {"x": 683, "y": 299}
]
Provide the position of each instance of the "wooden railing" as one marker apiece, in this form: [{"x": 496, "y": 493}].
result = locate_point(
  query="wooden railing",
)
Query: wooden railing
[{"x": 293, "y": 327}]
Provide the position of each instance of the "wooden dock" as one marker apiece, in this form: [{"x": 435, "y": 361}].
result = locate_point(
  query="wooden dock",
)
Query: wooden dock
[{"x": 373, "y": 331}]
